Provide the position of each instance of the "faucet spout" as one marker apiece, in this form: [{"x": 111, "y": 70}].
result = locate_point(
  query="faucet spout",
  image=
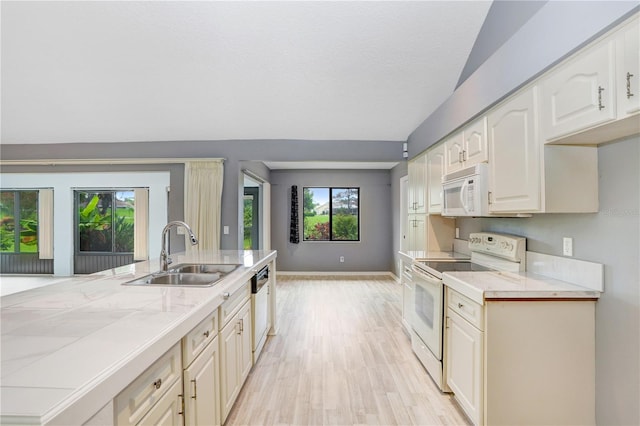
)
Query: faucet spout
[{"x": 165, "y": 260}]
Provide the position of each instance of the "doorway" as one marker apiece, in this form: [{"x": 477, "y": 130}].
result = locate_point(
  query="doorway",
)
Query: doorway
[{"x": 251, "y": 218}]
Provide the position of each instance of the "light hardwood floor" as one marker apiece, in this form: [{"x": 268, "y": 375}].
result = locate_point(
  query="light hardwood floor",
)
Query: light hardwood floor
[{"x": 341, "y": 358}]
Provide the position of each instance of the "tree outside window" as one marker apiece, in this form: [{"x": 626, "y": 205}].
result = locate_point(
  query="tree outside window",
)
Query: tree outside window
[
  {"x": 19, "y": 222},
  {"x": 105, "y": 221},
  {"x": 331, "y": 214}
]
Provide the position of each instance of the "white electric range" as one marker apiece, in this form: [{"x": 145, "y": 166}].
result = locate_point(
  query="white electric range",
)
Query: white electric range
[{"x": 489, "y": 252}]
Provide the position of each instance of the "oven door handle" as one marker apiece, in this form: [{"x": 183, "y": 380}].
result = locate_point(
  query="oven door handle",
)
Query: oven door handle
[
  {"x": 426, "y": 276},
  {"x": 463, "y": 196}
]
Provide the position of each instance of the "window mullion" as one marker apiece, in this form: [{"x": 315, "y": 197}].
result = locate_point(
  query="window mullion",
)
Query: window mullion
[
  {"x": 330, "y": 214},
  {"x": 16, "y": 222}
]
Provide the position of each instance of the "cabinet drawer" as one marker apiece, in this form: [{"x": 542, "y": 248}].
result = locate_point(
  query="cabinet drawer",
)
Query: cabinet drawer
[
  {"x": 232, "y": 305},
  {"x": 466, "y": 308},
  {"x": 198, "y": 338},
  {"x": 133, "y": 403},
  {"x": 167, "y": 411}
]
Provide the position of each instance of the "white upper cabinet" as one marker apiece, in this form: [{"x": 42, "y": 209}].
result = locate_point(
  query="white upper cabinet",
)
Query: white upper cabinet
[
  {"x": 435, "y": 170},
  {"x": 514, "y": 166},
  {"x": 417, "y": 168},
  {"x": 628, "y": 70},
  {"x": 468, "y": 147},
  {"x": 580, "y": 93}
]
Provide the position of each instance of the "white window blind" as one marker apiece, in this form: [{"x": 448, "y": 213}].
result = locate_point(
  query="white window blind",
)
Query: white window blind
[{"x": 45, "y": 223}]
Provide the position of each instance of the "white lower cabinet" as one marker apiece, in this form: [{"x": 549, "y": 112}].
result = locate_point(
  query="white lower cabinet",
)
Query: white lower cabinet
[
  {"x": 154, "y": 394},
  {"x": 201, "y": 388},
  {"x": 235, "y": 357},
  {"x": 464, "y": 365},
  {"x": 168, "y": 410},
  {"x": 524, "y": 362}
]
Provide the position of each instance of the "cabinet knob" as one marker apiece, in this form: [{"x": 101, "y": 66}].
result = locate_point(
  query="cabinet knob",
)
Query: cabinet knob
[
  {"x": 225, "y": 295},
  {"x": 460, "y": 305},
  {"x": 206, "y": 333},
  {"x": 157, "y": 383}
]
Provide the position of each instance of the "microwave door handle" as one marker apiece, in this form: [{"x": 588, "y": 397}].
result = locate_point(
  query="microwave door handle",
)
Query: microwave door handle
[{"x": 463, "y": 196}]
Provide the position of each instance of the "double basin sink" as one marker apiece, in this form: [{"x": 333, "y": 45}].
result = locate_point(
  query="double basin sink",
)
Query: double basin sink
[{"x": 187, "y": 275}]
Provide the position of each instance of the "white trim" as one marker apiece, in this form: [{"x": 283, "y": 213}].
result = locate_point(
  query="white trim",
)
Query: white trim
[{"x": 110, "y": 161}]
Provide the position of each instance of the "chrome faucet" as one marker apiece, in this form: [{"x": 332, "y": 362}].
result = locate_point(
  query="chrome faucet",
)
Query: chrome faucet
[{"x": 165, "y": 260}]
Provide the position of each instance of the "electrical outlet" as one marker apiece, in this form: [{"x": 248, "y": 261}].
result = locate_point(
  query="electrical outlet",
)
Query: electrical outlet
[
  {"x": 567, "y": 246},
  {"x": 341, "y": 259}
]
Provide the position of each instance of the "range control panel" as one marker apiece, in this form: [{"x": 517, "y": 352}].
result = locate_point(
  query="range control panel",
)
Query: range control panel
[{"x": 510, "y": 247}]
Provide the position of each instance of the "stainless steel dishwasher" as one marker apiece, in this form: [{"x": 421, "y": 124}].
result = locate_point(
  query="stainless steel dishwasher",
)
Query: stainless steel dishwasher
[{"x": 260, "y": 310}]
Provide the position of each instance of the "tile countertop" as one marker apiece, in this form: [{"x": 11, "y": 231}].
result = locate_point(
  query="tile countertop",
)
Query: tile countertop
[
  {"x": 491, "y": 285},
  {"x": 69, "y": 348}
]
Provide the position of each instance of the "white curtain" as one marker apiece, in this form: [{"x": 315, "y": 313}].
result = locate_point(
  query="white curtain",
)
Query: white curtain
[
  {"x": 141, "y": 224},
  {"x": 203, "y": 199},
  {"x": 45, "y": 223}
]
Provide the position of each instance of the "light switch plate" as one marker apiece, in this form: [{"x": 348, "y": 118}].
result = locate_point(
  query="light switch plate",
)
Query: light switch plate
[{"x": 567, "y": 246}]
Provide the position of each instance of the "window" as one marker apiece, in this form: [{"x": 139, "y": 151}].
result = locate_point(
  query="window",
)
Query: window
[
  {"x": 105, "y": 221},
  {"x": 19, "y": 222},
  {"x": 331, "y": 214}
]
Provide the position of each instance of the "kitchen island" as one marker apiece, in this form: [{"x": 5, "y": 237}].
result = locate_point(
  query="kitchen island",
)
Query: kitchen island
[{"x": 70, "y": 348}]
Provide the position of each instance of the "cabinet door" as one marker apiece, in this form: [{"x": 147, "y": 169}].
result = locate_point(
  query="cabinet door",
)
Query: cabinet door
[
  {"x": 229, "y": 366},
  {"x": 201, "y": 388},
  {"x": 246, "y": 348},
  {"x": 628, "y": 71},
  {"x": 167, "y": 411},
  {"x": 514, "y": 165},
  {"x": 464, "y": 365},
  {"x": 453, "y": 148},
  {"x": 417, "y": 232},
  {"x": 580, "y": 94},
  {"x": 475, "y": 143},
  {"x": 435, "y": 170},
  {"x": 417, "y": 184}
]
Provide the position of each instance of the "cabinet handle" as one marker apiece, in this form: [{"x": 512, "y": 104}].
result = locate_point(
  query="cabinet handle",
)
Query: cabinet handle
[
  {"x": 600, "y": 90},
  {"x": 464, "y": 155},
  {"x": 238, "y": 328},
  {"x": 157, "y": 383},
  {"x": 460, "y": 157},
  {"x": 225, "y": 296},
  {"x": 241, "y": 325},
  {"x": 181, "y": 413},
  {"x": 629, "y": 94},
  {"x": 195, "y": 389},
  {"x": 460, "y": 305},
  {"x": 206, "y": 333},
  {"x": 489, "y": 197}
]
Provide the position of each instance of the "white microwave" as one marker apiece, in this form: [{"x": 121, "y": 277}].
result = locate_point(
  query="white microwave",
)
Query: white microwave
[{"x": 465, "y": 192}]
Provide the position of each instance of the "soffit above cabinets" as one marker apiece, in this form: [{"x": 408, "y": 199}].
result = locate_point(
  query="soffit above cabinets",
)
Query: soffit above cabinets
[{"x": 181, "y": 71}]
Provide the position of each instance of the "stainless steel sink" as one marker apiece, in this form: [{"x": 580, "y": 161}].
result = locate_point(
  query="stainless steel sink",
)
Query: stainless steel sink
[
  {"x": 204, "y": 268},
  {"x": 187, "y": 275}
]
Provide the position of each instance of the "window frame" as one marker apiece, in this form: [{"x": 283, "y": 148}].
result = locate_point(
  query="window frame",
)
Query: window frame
[
  {"x": 17, "y": 217},
  {"x": 76, "y": 230},
  {"x": 331, "y": 239}
]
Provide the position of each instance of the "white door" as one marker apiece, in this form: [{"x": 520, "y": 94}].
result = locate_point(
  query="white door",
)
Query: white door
[
  {"x": 464, "y": 365},
  {"x": 628, "y": 71},
  {"x": 514, "y": 147},
  {"x": 427, "y": 313},
  {"x": 475, "y": 143},
  {"x": 580, "y": 94},
  {"x": 453, "y": 148},
  {"x": 229, "y": 366},
  {"x": 201, "y": 397},
  {"x": 435, "y": 170}
]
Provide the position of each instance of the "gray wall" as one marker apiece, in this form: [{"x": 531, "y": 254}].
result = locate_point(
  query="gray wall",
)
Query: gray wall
[
  {"x": 610, "y": 237},
  {"x": 237, "y": 154},
  {"x": 374, "y": 250},
  {"x": 556, "y": 30}
]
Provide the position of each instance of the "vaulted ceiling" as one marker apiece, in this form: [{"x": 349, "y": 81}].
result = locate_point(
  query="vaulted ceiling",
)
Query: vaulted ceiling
[{"x": 161, "y": 70}]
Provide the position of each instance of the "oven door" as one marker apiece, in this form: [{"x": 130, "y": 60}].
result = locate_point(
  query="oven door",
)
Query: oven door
[{"x": 427, "y": 314}]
